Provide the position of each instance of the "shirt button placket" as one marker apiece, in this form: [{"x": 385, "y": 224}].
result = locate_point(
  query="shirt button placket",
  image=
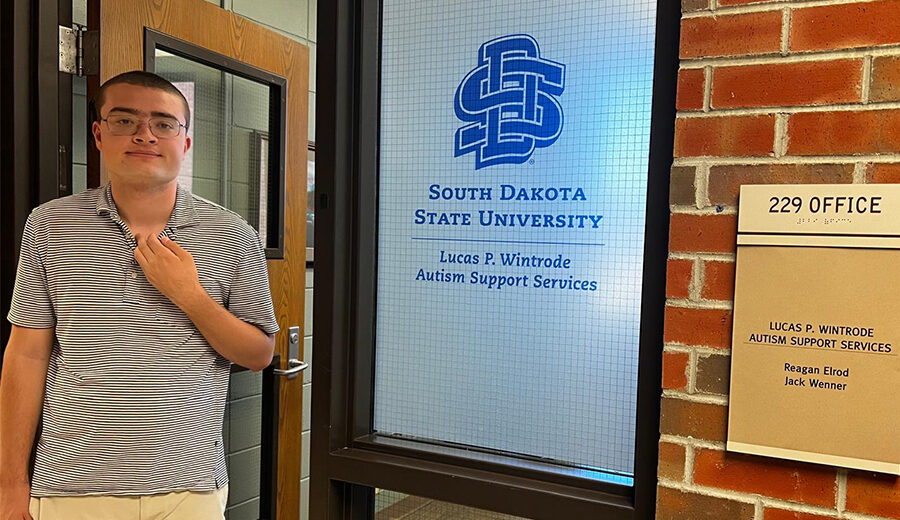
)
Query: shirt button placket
[{"x": 132, "y": 283}]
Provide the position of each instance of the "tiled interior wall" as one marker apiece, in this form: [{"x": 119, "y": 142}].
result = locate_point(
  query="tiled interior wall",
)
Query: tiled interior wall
[
  {"x": 295, "y": 19},
  {"x": 241, "y": 435},
  {"x": 307, "y": 395}
]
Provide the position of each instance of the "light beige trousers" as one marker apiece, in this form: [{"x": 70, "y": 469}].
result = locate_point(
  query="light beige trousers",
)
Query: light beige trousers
[{"x": 182, "y": 505}]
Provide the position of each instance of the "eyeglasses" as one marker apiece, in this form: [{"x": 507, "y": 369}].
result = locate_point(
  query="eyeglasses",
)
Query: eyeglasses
[{"x": 161, "y": 127}]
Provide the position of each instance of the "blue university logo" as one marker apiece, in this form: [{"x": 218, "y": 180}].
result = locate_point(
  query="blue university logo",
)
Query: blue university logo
[{"x": 509, "y": 102}]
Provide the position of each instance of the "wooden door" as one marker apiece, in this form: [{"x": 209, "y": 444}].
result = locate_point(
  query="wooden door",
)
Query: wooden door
[{"x": 122, "y": 24}]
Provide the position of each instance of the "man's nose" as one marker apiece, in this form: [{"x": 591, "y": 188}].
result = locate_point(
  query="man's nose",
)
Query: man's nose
[{"x": 143, "y": 134}]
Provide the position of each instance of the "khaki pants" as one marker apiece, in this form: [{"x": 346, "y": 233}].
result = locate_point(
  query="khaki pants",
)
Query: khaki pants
[{"x": 182, "y": 505}]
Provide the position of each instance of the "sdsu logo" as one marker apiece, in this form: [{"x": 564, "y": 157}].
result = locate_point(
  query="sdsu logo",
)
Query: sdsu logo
[{"x": 509, "y": 102}]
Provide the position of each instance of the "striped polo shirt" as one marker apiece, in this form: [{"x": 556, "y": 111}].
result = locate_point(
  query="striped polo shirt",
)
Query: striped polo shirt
[{"x": 135, "y": 395}]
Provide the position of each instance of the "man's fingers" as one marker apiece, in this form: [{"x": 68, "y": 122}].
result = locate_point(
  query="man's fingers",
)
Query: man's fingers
[
  {"x": 139, "y": 256},
  {"x": 143, "y": 246},
  {"x": 158, "y": 248},
  {"x": 155, "y": 246},
  {"x": 173, "y": 246}
]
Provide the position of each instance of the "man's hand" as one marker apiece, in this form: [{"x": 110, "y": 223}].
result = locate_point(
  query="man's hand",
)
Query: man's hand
[
  {"x": 14, "y": 500},
  {"x": 169, "y": 268},
  {"x": 172, "y": 271}
]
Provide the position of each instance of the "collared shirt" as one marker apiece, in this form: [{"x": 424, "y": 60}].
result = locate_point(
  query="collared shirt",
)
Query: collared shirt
[{"x": 135, "y": 395}]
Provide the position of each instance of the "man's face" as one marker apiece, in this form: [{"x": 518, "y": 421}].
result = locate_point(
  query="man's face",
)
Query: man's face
[{"x": 141, "y": 160}]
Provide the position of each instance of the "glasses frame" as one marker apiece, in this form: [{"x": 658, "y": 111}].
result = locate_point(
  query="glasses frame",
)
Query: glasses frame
[{"x": 150, "y": 128}]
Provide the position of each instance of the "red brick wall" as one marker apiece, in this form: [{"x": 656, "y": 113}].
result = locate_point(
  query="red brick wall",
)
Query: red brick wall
[{"x": 769, "y": 91}]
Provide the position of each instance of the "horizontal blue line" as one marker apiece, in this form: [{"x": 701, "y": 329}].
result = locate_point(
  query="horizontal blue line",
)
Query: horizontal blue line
[{"x": 508, "y": 241}]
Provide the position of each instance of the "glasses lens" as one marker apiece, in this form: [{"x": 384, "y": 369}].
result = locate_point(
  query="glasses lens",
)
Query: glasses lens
[
  {"x": 164, "y": 127},
  {"x": 122, "y": 125}
]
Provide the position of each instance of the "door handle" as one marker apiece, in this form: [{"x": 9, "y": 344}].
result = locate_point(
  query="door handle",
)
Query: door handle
[{"x": 296, "y": 366}]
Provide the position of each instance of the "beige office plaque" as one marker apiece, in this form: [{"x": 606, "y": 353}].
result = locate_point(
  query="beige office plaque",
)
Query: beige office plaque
[{"x": 815, "y": 369}]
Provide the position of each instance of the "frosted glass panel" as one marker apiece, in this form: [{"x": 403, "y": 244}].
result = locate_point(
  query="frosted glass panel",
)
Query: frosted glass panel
[{"x": 513, "y": 175}]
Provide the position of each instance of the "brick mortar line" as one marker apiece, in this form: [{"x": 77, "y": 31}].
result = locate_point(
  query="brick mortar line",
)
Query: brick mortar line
[
  {"x": 819, "y": 510},
  {"x": 775, "y": 110},
  {"x": 707, "y": 257},
  {"x": 711, "y": 301},
  {"x": 700, "y": 349},
  {"x": 861, "y": 516},
  {"x": 702, "y": 198},
  {"x": 691, "y": 210},
  {"x": 695, "y": 288},
  {"x": 754, "y": 498},
  {"x": 859, "y": 173},
  {"x": 707, "y": 88},
  {"x": 781, "y": 135},
  {"x": 787, "y": 160},
  {"x": 760, "y": 509},
  {"x": 708, "y": 393},
  {"x": 780, "y": 503},
  {"x": 786, "y": 31},
  {"x": 841, "y": 492},
  {"x": 696, "y": 398},
  {"x": 692, "y": 442},
  {"x": 709, "y": 492},
  {"x": 698, "y": 189},
  {"x": 773, "y": 58},
  {"x": 866, "y": 89},
  {"x": 682, "y": 303},
  {"x": 689, "y": 458},
  {"x": 676, "y": 348},
  {"x": 717, "y": 260},
  {"x": 692, "y": 372},
  {"x": 764, "y": 7}
]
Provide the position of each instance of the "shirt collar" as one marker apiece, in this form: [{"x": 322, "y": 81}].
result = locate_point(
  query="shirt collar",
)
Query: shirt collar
[{"x": 182, "y": 216}]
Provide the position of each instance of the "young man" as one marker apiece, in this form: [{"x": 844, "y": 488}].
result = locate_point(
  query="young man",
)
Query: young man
[{"x": 131, "y": 302}]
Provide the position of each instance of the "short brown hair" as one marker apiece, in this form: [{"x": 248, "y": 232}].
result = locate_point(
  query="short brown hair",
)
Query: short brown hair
[{"x": 142, "y": 79}]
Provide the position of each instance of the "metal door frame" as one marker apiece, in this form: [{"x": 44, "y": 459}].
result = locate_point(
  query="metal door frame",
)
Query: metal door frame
[
  {"x": 34, "y": 98},
  {"x": 346, "y": 459}
]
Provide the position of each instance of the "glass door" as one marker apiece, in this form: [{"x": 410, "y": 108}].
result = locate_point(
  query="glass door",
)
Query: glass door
[{"x": 493, "y": 331}]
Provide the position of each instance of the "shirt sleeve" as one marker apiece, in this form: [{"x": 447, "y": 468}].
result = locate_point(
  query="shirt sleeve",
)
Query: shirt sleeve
[
  {"x": 31, "y": 305},
  {"x": 249, "y": 298}
]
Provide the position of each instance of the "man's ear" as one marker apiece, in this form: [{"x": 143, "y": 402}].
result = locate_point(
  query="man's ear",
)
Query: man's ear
[
  {"x": 95, "y": 129},
  {"x": 187, "y": 143}
]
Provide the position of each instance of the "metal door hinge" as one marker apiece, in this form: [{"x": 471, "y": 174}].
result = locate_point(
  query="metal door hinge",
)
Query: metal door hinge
[{"x": 79, "y": 50}]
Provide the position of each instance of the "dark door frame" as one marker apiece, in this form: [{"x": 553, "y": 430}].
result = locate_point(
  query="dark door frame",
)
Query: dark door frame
[
  {"x": 34, "y": 147},
  {"x": 346, "y": 460}
]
